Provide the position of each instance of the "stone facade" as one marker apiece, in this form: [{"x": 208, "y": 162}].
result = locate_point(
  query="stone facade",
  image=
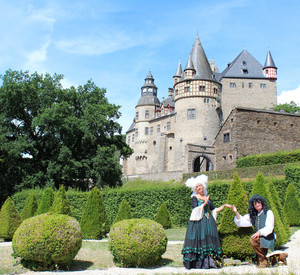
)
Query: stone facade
[
  {"x": 253, "y": 131},
  {"x": 178, "y": 134}
]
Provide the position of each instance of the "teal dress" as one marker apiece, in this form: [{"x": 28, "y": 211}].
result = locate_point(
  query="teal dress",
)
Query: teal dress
[{"x": 202, "y": 248}]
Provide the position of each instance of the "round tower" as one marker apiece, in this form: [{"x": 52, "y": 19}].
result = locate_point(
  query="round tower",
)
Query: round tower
[
  {"x": 270, "y": 70},
  {"x": 148, "y": 105},
  {"x": 197, "y": 105}
]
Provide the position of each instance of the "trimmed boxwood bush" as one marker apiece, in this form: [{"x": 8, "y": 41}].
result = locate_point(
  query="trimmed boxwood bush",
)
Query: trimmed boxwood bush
[
  {"x": 292, "y": 175},
  {"x": 9, "y": 219},
  {"x": 46, "y": 201},
  {"x": 137, "y": 242},
  {"x": 235, "y": 240},
  {"x": 30, "y": 207},
  {"x": 163, "y": 216},
  {"x": 61, "y": 204},
  {"x": 94, "y": 223},
  {"x": 292, "y": 206},
  {"x": 124, "y": 212},
  {"x": 47, "y": 241}
]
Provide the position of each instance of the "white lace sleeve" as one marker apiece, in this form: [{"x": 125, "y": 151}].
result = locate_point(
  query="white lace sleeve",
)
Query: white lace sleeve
[
  {"x": 214, "y": 213},
  {"x": 243, "y": 221},
  {"x": 197, "y": 213}
]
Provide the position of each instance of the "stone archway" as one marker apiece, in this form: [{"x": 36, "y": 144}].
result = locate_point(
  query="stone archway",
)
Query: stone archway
[{"x": 202, "y": 163}]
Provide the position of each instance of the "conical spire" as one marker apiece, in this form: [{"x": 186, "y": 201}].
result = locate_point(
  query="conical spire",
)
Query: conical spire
[
  {"x": 179, "y": 70},
  {"x": 200, "y": 61},
  {"x": 189, "y": 64},
  {"x": 269, "y": 63}
]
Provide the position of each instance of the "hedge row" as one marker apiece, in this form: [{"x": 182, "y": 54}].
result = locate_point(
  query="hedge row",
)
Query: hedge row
[
  {"x": 245, "y": 172},
  {"x": 269, "y": 159},
  {"x": 145, "y": 203}
]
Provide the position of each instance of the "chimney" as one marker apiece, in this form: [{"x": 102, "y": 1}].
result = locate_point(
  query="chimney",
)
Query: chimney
[{"x": 171, "y": 92}]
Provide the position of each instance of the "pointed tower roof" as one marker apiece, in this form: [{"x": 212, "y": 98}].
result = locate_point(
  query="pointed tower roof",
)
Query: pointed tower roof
[
  {"x": 243, "y": 66},
  {"x": 149, "y": 92},
  {"x": 269, "y": 63},
  {"x": 200, "y": 61},
  {"x": 179, "y": 70},
  {"x": 189, "y": 64}
]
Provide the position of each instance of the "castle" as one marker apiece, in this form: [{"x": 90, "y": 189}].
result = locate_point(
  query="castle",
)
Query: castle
[{"x": 182, "y": 133}]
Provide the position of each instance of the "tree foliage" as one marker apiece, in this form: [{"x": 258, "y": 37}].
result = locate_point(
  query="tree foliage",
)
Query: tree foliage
[
  {"x": 53, "y": 136},
  {"x": 163, "y": 216},
  {"x": 291, "y": 107},
  {"x": 292, "y": 205},
  {"x": 9, "y": 219},
  {"x": 61, "y": 204},
  {"x": 94, "y": 222},
  {"x": 30, "y": 207},
  {"x": 46, "y": 201},
  {"x": 124, "y": 212}
]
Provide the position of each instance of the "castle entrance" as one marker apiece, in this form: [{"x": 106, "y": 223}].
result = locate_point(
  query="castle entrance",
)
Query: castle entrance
[{"x": 202, "y": 163}]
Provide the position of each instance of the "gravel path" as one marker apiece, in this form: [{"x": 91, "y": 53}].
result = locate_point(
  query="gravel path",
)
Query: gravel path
[{"x": 293, "y": 266}]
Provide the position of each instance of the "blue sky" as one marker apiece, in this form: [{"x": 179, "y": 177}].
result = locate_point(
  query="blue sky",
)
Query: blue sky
[{"x": 116, "y": 43}]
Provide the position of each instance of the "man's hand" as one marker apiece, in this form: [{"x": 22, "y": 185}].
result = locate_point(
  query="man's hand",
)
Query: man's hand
[{"x": 256, "y": 235}]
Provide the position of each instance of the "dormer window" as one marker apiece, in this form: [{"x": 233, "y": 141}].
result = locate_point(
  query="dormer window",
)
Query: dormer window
[
  {"x": 245, "y": 71},
  {"x": 244, "y": 63}
]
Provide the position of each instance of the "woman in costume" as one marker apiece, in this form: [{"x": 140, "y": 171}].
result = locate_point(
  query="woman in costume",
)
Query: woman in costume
[{"x": 202, "y": 247}]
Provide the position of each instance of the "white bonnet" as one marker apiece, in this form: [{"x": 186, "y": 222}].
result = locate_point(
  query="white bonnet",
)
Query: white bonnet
[{"x": 192, "y": 182}]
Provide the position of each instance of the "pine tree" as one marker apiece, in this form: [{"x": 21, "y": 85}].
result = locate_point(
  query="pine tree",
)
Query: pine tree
[
  {"x": 163, "y": 216},
  {"x": 235, "y": 240},
  {"x": 276, "y": 200},
  {"x": 124, "y": 212},
  {"x": 30, "y": 207},
  {"x": 9, "y": 219},
  {"x": 94, "y": 222},
  {"x": 46, "y": 201},
  {"x": 292, "y": 205},
  {"x": 260, "y": 188},
  {"x": 61, "y": 204}
]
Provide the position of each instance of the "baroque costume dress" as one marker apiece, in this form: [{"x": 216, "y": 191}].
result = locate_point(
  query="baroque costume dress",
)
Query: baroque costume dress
[{"x": 202, "y": 247}]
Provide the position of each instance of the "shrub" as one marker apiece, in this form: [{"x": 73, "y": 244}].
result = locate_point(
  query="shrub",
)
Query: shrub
[
  {"x": 61, "y": 204},
  {"x": 292, "y": 206},
  {"x": 94, "y": 222},
  {"x": 260, "y": 188},
  {"x": 30, "y": 207},
  {"x": 275, "y": 199},
  {"x": 9, "y": 219},
  {"x": 163, "y": 216},
  {"x": 124, "y": 212},
  {"x": 292, "y": 175},
  {"x": 48, "y": 240},
  {"x": 234, "y": 240},
  {"x": 46, "y": 201},
  {"x": 137, "y": 242}
]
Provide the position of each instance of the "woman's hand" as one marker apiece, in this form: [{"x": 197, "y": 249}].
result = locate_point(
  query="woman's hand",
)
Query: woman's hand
[{"x": 206, "y": 200}]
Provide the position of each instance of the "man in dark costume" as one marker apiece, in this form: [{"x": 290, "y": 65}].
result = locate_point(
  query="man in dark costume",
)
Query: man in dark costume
[{"x": 262, "y": 219}]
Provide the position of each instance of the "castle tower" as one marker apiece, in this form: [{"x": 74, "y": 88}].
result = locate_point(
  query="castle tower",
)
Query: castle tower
[
  {"x": 270, "y": 70},
  {"x": 197, "y": 105},
  {"x": 148, "y": 105}
]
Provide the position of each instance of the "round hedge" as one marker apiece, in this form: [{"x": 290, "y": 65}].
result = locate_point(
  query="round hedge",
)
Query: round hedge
[
  {"x": 137, "y": 242},
  {"x": 47, "y": 241}
]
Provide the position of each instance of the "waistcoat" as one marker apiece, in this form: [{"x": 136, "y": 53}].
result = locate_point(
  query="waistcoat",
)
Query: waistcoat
[{"x": 268, "y": 241}]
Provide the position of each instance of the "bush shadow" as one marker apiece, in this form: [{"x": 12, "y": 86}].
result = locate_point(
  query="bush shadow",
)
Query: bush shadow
[{"x": 80, "y": 265}]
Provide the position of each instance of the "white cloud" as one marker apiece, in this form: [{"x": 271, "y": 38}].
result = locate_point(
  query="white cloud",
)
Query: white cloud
[{"x": 290, "y": 95}]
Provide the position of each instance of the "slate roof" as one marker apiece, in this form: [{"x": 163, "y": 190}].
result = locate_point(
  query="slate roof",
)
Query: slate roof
[
  {"x": 269, "y": 63},
  {"x": 243, "y": 66}
]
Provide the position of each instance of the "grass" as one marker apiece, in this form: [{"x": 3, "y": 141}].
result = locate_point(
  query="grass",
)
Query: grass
[{"x": 95, "y": 255}]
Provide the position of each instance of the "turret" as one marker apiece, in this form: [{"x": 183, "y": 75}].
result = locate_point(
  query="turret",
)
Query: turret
[
  {"x": 270, "y": 70},
  {"x": 178, "y": 74},
  {"x": 189, "y": 70}
]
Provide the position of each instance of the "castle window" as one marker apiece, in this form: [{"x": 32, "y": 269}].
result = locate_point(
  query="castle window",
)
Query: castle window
[
  {"x": 154, "y": 142},
  {"x": 206, "y": 100},
  {"x": 147, "y": 114},
  {"x": 132, "y": 137},
  {"x": 250, "y": 85},
  {"x": 232, "y": 85},
  {"x": 263, "y": 85},
  {"x": 187, "y": 89},
  {"x": 292, "y": 125},
  {"x": 258, "y": 121},
  {"x": 275, "y": 123},
  {"x": 170, "y": 148},
  {"x": 245, "y": 71},
  {"x": 168, "y": 125},
  {"x": 224, "y": 157},
  {"x": 128, "y": 140},
  {"x": 146, "y": 130},
  {"x": 205, "y": 138},
  {"x": 202, "y": 88},
  {"x": 243, "y": 85},
  {"x": 137, "y": 115},
  {"x": 244, "y": 63},
  {"x": 176, "y": 92},
  {"x": 226, "y": 137},
  {"x": 136, "y": 132},
  {"x": 151, "y": 130},
  {"x": 191, "y": 113},
  {"x": 158, "y": 128},
  {"x": 215, "y": 90}
]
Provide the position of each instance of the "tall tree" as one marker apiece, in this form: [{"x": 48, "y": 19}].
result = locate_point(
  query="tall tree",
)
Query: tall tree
[
  {"x": 50, "y": 135},
  {"x": 291, "y": 107}
]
